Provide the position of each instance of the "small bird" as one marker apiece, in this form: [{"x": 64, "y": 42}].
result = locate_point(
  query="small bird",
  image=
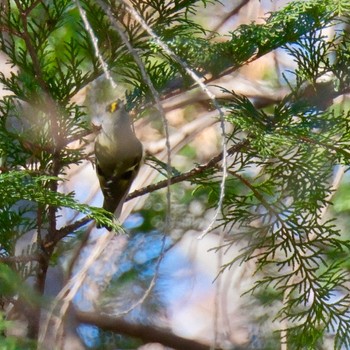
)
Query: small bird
[{"x": 118, "y": 154}]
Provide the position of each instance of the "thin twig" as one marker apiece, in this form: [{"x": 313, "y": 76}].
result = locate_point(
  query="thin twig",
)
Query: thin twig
[
  {"x": 94, "y": 41},
  {"x": 64, "y": 231},
  {"x": 232, "y": 13},
  {"x": 187, "y": 176},
  {"x": 62, "y": 301}
]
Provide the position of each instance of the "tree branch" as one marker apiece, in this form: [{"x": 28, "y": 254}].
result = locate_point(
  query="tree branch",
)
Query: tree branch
[
  {"x": 189, "y": 174},
  {"x": 64, "y": 231},
  {"x": 148, "y": 334}
]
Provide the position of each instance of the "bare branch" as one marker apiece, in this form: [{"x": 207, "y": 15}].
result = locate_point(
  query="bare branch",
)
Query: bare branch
[
  {"x": 189, "y": 174},
  {"x": 148, "y": 334}
]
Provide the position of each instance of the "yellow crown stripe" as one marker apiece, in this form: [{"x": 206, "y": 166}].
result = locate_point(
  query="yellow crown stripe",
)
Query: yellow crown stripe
[{"x": 113, "y": 106}]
